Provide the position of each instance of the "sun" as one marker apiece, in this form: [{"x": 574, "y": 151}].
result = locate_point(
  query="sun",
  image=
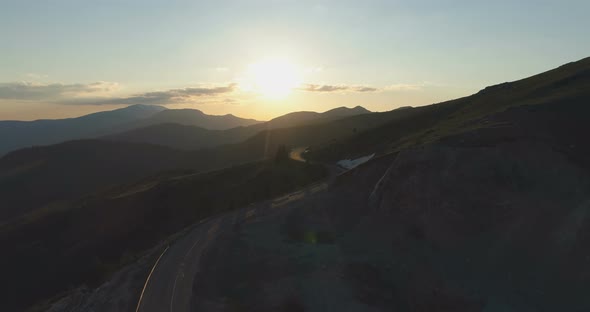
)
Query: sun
[{"x": 274, "y": 78}]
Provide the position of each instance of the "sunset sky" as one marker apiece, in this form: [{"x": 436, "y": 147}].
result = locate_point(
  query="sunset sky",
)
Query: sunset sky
[{"x": 260, "y": 59}]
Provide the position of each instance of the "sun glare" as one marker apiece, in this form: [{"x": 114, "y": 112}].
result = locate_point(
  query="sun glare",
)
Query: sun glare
[{"x": 274, "y": 78}]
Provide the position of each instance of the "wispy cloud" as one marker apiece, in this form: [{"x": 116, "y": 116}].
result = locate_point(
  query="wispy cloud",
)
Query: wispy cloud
[
  {"x": 101, "y": 93},
  {"x": 172, "y": 96},
  {"x": 104, "y": 93},
  {"x": 54, "y": 91},
  {"x": 326, "y": 88},
  {"x": 335, "y": 88}
]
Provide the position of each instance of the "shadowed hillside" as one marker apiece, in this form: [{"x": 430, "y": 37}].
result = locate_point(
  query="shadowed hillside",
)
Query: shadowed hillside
[
  {"x": 106, "y": 230},
  {"x": 19, "y": 134},
  {"x": 481, "y": 206}
]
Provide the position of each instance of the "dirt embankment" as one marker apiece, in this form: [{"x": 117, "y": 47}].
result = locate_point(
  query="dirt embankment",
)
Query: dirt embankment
[{"x": 449, "y": 226}]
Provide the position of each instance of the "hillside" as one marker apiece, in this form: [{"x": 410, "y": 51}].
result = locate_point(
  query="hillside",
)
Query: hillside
[
  {"x": 481, "y": 205},
  {"x": 19, "y": 134},
  {"x": 474, "y": 222},
  {"x": 185, "y": 137},
  {"x": 67, "y": 171},
  {"x": 106, "y": 230}
]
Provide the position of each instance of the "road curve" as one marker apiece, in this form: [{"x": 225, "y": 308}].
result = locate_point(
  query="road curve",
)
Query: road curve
[{"x": 169, "y": 286}]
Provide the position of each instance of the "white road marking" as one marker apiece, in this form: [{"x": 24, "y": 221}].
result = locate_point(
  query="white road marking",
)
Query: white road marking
[
  {"x": 148, "y": 279},
  {"x": 173, "y": 290}
]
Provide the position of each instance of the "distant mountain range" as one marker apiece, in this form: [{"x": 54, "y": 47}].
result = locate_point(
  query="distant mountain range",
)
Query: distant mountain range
[
  {"x": 184, "y": 135},
  {"x": 194, "y": 117},
  {"x": 19, "y": 134},
  {"x": 180, "y": 128},
  {"x": 86, "y": 165},
  {"x": 300, "y": 118}
]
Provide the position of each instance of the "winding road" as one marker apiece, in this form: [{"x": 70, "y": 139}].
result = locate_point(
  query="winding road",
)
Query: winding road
[{"x": 169, "y": 285}]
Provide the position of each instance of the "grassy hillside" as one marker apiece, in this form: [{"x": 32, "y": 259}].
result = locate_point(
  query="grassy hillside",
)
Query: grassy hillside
[
  {"x": 569, "y": 83},
  {"x": 185, "y": 137},
  {"x": 69, "y": 244},
  {"x": 69, "y": 170},
  {"x": 66, "y": 171}
]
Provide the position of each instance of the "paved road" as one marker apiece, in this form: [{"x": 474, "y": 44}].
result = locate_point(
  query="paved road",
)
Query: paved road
[{"x": 170, "y": 284}]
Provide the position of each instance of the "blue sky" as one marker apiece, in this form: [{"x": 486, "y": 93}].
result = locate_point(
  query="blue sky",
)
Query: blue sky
[{"x": 82, "y": 56}]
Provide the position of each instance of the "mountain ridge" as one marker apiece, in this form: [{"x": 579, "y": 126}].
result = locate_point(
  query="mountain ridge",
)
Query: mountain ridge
[
  {"x": 16, "y": 134},
  {"x": 189, "y": 137},
  {"x": 195, "y": 117},
  {"x": 19, "y": 134}
]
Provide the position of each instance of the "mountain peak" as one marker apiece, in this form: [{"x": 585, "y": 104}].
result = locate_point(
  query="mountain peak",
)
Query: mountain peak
[
  {"x": 195, "y": 117},
  {"x": 344, "y": 111},
  {"x": 359, "y": 108}
]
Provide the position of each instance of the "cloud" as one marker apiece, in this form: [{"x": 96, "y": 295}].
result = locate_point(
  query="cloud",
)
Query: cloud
[
  {"x": 336, "y": 88},
  {"x": 356, "y": 88},
  {"x": 54, "y": 91},
  {"x": 100, "y": 93},
  {"x": 172, "y": 96},
  {"x": 365, "y": 89}
]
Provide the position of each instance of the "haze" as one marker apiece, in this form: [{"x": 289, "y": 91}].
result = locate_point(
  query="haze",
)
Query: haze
[
  {"x": 262, "y": 59},
  {"x": 294, "y": 156}
]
